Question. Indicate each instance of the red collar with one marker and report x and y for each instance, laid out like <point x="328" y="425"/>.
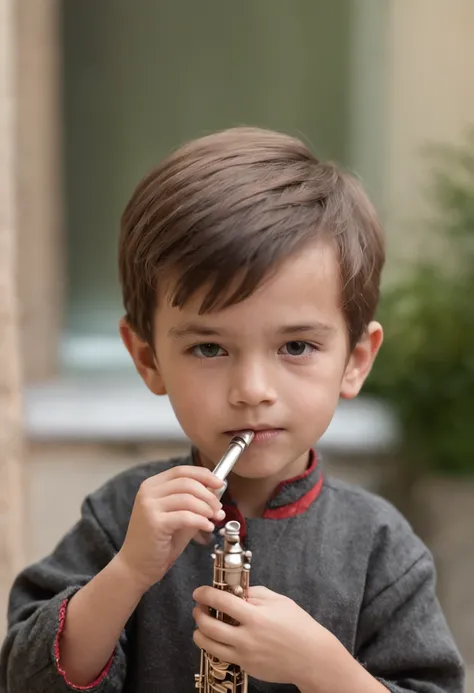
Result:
<point x="291" y="497"/>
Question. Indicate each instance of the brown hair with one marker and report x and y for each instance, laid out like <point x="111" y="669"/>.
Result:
<point x="232" y="206"/>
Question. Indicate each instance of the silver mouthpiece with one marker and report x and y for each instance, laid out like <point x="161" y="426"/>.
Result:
<point x="238" y="444"/>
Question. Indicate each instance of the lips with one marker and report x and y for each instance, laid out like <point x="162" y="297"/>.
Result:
<point x="262" y="434"/>
<point x="259" y="429"/>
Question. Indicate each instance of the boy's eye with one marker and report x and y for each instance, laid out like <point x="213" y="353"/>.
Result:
<point x="207" y="351"/>
<point x="298" y="348"/>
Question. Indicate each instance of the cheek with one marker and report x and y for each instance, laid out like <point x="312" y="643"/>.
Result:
<point x="315" y="398"/>
<point x="319" y="381"/>
<point x="193" y="394"/>
<point x="315" y="401"/>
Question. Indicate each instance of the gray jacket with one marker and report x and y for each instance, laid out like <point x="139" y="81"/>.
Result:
<point x="346" y="556"/>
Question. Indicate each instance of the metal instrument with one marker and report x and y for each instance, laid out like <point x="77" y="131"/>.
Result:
<point x="225" y="465"/>
<point x="232" y="574"/>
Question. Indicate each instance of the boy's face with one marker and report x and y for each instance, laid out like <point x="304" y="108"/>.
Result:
<point x="276" y="363"/>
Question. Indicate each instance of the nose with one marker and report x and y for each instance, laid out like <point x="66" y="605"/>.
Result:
<point x="252" y="384"/>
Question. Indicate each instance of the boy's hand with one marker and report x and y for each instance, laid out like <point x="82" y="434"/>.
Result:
<point x="169" y="509"/>
<point x="276" y="640"/>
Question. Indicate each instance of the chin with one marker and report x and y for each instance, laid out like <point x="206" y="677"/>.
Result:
<point x="259" y="470"/>
<point x="253" y="473"/>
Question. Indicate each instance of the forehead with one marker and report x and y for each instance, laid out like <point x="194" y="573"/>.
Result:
<point x="308" y="281"/>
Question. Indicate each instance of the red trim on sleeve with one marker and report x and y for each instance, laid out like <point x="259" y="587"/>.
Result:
<point x="57" y="655"/>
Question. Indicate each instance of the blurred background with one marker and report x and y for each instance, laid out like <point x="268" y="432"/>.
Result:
<point x="92" y="95"/>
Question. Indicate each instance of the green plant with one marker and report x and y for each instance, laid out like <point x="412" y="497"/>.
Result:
<point x="425" y="369"/>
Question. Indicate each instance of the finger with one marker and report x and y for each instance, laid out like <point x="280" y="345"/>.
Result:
<point x="235" y="607"/>
<point x="202" y="474"/>
<point x="184" y="519"/>
<point x="260" y="596"/>
<point x="215" y="629"/>
<point x="184" y="501"/>
<point x="190" y="486"/>
<point x="261" y="592"/>
<point x="222" y="652"/>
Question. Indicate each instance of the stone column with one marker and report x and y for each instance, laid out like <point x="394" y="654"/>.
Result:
<point x="11" y="486"/>
<point x="39" y="184"/>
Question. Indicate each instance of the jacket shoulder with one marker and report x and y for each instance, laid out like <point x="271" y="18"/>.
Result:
<point x="375" y="528"/>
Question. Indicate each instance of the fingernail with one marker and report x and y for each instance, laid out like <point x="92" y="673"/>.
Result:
<point x="220" y="515"/>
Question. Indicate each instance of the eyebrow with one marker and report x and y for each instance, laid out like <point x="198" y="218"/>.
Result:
<point x="196" y="330"/>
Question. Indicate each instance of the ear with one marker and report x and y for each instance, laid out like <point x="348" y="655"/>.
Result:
<point x="143" y="357"/>
<point x="361" y="360"/>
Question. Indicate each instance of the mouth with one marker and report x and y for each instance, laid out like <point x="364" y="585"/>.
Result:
<point x="262" y="434"/>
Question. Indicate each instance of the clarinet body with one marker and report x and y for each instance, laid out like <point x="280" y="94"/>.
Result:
<point x="231" y="573"/>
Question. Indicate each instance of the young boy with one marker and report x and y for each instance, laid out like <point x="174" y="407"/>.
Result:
<point x="250" y="275"/>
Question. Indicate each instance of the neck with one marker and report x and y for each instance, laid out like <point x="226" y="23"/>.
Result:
<point x="251" y="495"/>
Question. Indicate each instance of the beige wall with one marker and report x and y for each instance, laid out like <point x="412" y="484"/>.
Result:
<point x="430" y="98"/>
<point x="412" y="67"/>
